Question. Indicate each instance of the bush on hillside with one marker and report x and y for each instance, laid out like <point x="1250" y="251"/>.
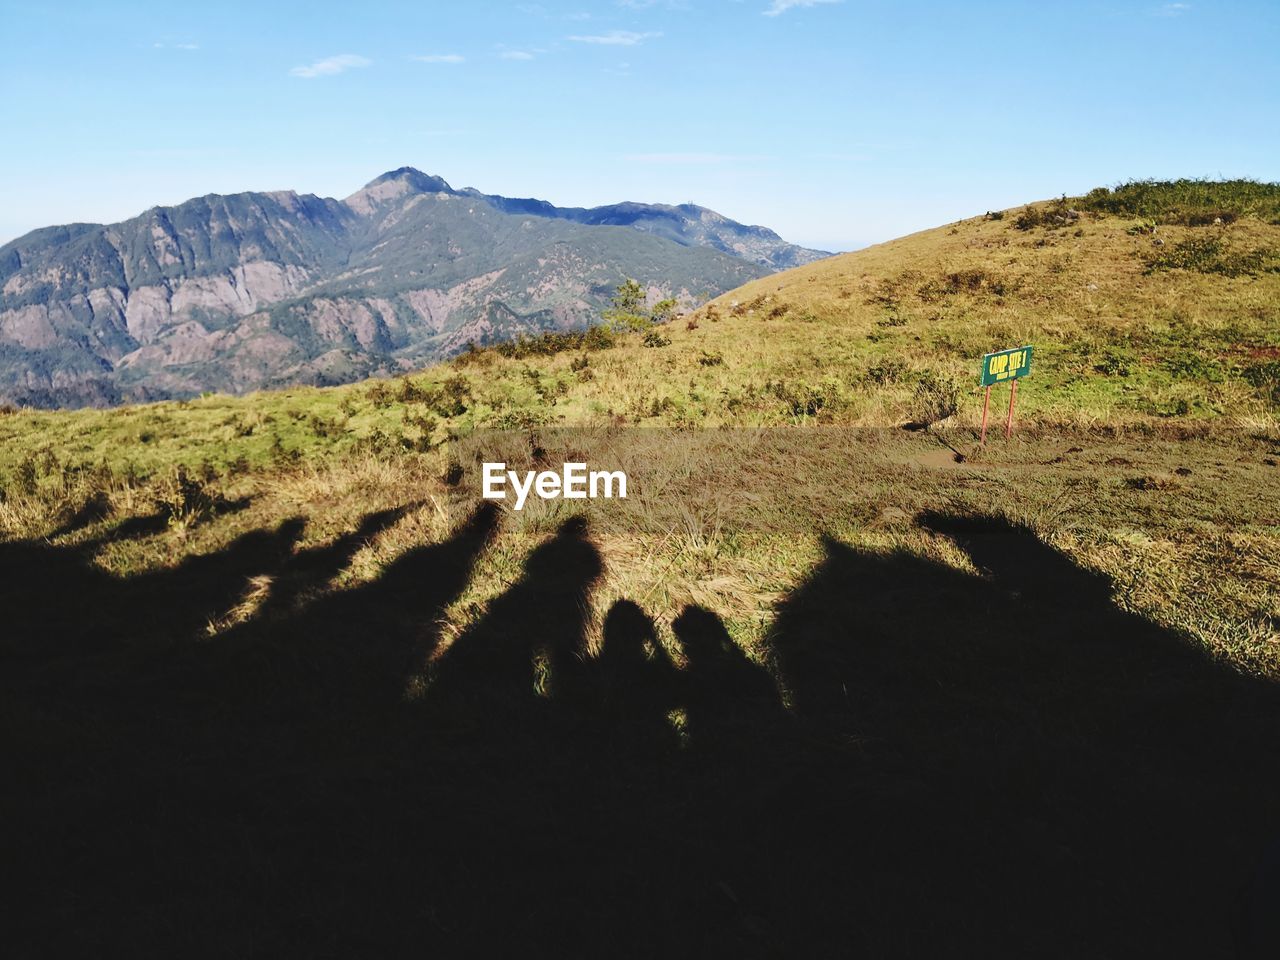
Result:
<point x="1187" y="202"/>
<point x="937" y="397"/>
<point x="1265" y="377"/>
<point x="1213" y="255"/>
<point x="654" y="339"/>
<point x="1055" y="214"/>
<point x="972" y="281"/>
<point x="804" y="399"/>
<point x="890" y="371"/>
<point x="1115" y="363"/>
<point x="184" y="500"/>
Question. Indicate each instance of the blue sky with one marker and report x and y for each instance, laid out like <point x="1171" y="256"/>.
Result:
<point x="836" y="122"/>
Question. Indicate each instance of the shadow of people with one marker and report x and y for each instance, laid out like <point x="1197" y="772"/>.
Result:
<point x="529" y="645"/>
<point x="1000" y="762"/>
<point x="723" y="688"/>
<point x="236" y="777"/>
<point x="634" y="684"/>
<point x="60" y="604"/>
<point x="1015" y="760"/>
<point x="352" y="649"/>
<point x="312" y="568"/>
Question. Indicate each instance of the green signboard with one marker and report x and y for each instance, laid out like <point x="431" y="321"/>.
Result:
<point x="1006" y="365"/>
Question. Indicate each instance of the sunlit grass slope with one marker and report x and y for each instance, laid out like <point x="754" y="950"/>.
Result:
<point x="1140" y="310"/>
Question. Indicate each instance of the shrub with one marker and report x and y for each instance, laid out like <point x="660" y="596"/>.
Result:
<point x="1029" y="218"/>
<point x="323" y="427"/>
<point x="184" y="500"/>
<point x="654" y="339"/>
<point x="936" y="398"/>
<point x="379" y="394"/>
<point x="706" y="359"/>
<point x="452" y="397"/>
<point x="804" y="399"/>
<point x="598" y="338"/>
<point x="973" y="281"/>
<point x="1187" y="202"/>
<point x="1057" y="213"/>
<point x="883" y="374"/>
<point x="1190" y="365"/>
<point x="1114" y="363"/>
<point x="1265" y="377"/>
<point x="1212" y="255"/>
<point x="892" y="321"/>
<point x="25" y="477"/>
<point x="663" y="311"/>
<point x="281" y="456"/>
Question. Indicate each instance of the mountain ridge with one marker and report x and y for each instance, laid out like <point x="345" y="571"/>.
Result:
<point x="254" y="289"/>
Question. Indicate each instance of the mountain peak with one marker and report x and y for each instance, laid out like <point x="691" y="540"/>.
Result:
<point x="414" y="178"/>
<point x="393" y="185"/>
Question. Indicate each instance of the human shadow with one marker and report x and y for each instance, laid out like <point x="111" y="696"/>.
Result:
<point x="60" y="604"/>
<point x="923" y="760"/>
<point x="1024" y="765"/>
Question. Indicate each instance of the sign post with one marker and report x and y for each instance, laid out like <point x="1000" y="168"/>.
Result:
<point x="1008" y="424"/>
<point x="986" y="402"/>
<point x="1011" y="365"/>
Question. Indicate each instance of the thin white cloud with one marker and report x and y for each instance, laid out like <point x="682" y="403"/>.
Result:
<point x="617" y="38"/>
<point x="516" y="55"/>
<point x="782" y="6"/>
<point x="330" y="66"/>
<point x="176" y="46"/>
<point x="1174" y="9"/>
<point x="440" y="58"/>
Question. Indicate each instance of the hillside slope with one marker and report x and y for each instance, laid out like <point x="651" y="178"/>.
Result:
<point x="1122" y="335"/>
<point x="252" y="290"/>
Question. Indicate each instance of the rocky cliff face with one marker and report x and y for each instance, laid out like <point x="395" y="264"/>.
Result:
<point x="240" y="292"/>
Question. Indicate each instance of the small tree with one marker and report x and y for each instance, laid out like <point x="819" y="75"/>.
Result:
<point x="664" y="310"/>
<point x="631" y="313"/>
<point x="630" y="297"/>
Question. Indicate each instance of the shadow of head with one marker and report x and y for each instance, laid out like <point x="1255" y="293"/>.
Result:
<point x="1017" y="559"/>
<point x="568" y="562"/>
<point x="718" y="670"/>
<point x="629" y="638"/>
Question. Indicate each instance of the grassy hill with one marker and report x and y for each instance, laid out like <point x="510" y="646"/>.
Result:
<point x="816" y="671"/>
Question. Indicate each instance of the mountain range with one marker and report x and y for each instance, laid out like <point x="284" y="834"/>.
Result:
<point x="253" y="290"/>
